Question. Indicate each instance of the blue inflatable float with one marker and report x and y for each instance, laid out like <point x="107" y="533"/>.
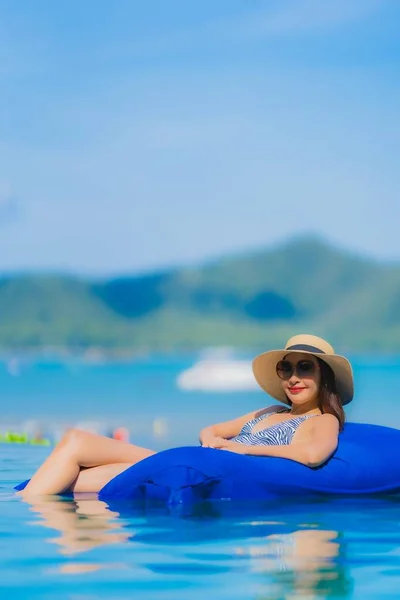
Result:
<point x="365" y="463"/>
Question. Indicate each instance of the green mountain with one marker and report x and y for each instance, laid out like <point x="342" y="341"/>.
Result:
<point x="253" y="300"/>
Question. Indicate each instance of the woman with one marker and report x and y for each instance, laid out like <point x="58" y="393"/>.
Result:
<point x="307" y="376"/>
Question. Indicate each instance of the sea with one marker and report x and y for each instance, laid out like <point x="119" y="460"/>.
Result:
<point x="80" y="549"/>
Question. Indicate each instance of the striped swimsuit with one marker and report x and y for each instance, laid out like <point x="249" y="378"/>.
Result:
<point x="280" y="434"/>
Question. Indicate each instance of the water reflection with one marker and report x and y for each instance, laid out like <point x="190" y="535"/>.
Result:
<point x="82" y="524"/>
<point x="283" y="551"/>
<point x="304" y="564"/>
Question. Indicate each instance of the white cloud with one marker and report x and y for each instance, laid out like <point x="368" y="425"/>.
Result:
<point x="281" y="18"/>
<point x="36" y="53"/>
<point x="298" y="16"/>
<point x="277" y="18"/>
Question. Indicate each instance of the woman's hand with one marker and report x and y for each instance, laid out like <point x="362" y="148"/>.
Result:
<point x="211" y="436"/>
<point x="213" y="441"/>
<point x="233" y="447"/>
<point x="223" y="444"/>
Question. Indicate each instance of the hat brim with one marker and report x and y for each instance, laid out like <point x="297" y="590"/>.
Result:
<point x="264" y="370"/>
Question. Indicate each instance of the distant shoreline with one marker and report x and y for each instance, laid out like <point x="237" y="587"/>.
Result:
<point x="254" y="301"/>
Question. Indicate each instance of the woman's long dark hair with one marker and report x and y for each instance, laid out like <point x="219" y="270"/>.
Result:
<point x="329" y="399"/>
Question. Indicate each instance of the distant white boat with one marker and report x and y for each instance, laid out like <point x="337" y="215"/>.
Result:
<point x="224" y="375"/>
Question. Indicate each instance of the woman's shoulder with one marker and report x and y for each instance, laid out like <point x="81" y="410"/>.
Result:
<point x="329" y="419"/>
<point x="325" y="422"/>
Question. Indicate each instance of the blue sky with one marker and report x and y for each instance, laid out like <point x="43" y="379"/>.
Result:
<point x="136" y="135"/>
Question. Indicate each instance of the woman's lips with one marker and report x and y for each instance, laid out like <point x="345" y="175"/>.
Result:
<point x="296" y="390"/>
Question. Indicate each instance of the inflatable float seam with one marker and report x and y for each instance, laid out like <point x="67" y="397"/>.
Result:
<point x="183" y="466"/>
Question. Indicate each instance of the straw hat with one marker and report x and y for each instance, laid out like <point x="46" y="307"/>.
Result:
<point x="264" y="366"/>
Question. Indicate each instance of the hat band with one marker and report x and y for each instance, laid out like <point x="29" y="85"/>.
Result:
<point x="307" y="348"/>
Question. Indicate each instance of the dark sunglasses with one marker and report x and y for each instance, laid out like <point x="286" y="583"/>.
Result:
<point x="304" y="368"/>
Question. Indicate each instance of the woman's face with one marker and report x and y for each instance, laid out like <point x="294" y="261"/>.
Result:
<point x="300" y="378"/>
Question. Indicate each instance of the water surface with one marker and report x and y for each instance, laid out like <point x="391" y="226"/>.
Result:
<point x="83" y="549"/>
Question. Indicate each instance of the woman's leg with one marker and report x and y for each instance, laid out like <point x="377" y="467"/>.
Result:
<point x="79" y="449"/>
<point x="95" y="478"/>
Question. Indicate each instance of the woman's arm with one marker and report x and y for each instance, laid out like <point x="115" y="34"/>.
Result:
<point x="228" y="429"/>
<point x="311" y="452"/>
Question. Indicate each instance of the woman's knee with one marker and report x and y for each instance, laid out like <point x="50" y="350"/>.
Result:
<point x="74" y="440"/>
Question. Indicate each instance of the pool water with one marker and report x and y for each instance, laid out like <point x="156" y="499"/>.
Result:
<point x="82" y="550"/>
